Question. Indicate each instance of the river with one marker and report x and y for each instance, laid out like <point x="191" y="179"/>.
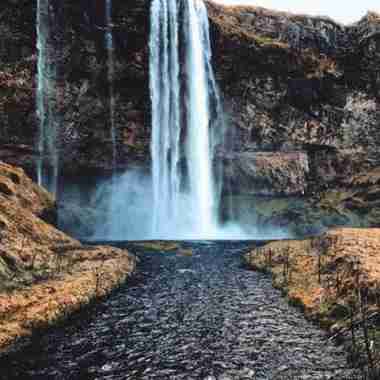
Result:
<point x="194" y="313"/>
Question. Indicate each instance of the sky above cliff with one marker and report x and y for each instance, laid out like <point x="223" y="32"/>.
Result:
<point x="342" y="11"/>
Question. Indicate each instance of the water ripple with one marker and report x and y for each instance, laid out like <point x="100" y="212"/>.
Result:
<point x="203" y="316"/>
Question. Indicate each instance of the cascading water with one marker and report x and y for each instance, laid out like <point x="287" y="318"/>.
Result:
<point x="42" y="11"/>
<point x="47" y="98"/>
<point x="187" y="134"/>
<point x="186" y="202"/>
<point x="199" y="146"/>
<point x="111" y="75"/>
<point x="166" y="127"/>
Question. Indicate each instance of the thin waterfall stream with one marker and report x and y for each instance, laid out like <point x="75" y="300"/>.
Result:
<point x="111" y="77"/>
<point x="47" y="97"/>
<point x="42" y="13"/>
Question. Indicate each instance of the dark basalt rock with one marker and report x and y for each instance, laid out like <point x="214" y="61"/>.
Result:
<point x="301" y="84"/>
<point x="85" y="141"/>
<point x="267" y="173"/>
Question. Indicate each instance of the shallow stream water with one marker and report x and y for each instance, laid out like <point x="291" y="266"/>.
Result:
<point x="194" y="313"/>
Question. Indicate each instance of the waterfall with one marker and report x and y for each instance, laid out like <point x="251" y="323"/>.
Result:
<point x="199" y="148"/>
<point x="111" y="75"/>
<point x="165" y="92"/>
<point x="181" y="197"/>
<point x="42" y="13"/>
<point x="184" y="199"/>
<point x="47" y="97"/>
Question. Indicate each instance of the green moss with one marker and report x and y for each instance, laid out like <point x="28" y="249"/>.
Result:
<point x="6" y="92"/>
<point x="338" y="312"/>
<point x="268" y="41"/>
<point x="324" y="308"/>
<point x="264" y="40"/>
<point x="161" y="246"/>
<point x="296" y="303"/>
<point x="374" y="333"/>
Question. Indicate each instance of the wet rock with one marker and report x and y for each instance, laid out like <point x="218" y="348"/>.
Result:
<point x="267" y="173"/>
<point x="296" y="83"/>
<point x="278" y="72"/>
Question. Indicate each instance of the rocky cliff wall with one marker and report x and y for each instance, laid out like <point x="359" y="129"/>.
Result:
<point x="295" y="83"/>
<point x="81" y="58"/>
<point x="301" y="94"/>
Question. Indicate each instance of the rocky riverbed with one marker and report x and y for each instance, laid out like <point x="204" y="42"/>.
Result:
<point x="192" y="311"/>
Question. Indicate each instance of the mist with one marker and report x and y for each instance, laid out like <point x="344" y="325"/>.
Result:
<point x="120" y="208"/>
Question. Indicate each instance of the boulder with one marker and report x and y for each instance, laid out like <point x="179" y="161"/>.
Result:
<point x="267" y="173"/>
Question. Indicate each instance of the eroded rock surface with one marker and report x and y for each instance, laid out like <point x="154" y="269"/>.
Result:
<point x="81" y="59"/>
<point x="301" y="94"/>
<point x="267" y="173"/>
<point x="296" y="83"/>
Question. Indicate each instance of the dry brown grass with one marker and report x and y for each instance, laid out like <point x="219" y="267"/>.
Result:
<point x="315" y="264"/>
<point x="44" y="274"/>
<point x="162" y="246"/>
<point x="335" y="279"/>
<point x="93" y="273"/>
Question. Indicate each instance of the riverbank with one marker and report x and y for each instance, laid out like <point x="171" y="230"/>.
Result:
<point x="185" y="316"/>
<point x="44" y="274"/>
<point x="335" y="280"/>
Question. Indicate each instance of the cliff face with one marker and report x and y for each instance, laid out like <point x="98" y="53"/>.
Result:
<point x="78" y="45"/>
<point x="306" y="93"/>
<point x="295" y="83"/>
<point x="302" y="96"/>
